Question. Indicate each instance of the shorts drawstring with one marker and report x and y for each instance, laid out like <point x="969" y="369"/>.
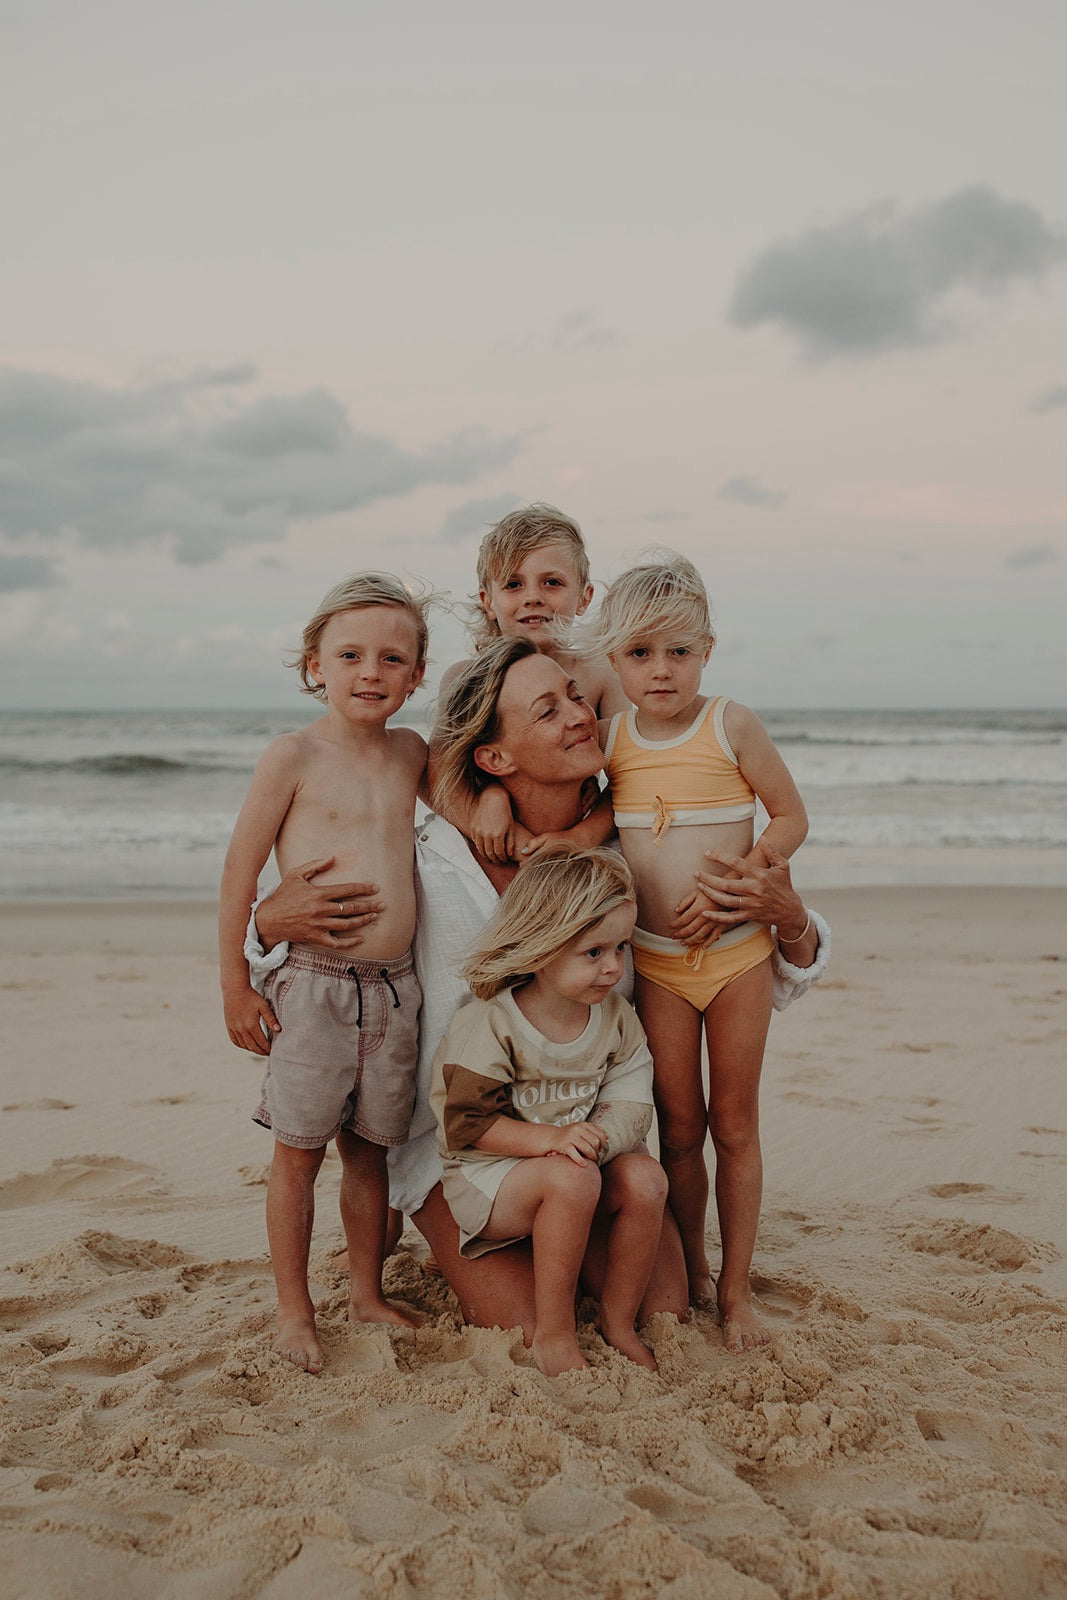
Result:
<point x="384" y="975"/>
<point x="352" y="973"/>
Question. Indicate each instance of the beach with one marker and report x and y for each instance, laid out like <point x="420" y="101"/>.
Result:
<point x="903" y="1436"/>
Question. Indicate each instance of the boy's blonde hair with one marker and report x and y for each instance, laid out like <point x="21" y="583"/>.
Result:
<point x="506" y="546"/>
<point x="555" y="898"/>
<point x="351" y="594"/>
<point x="664" y="594"/>
<point x="467" y="717"/>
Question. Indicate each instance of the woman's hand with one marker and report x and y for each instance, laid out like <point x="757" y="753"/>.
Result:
<point x="753" y="894"/>
<point x="247" y="1016"/>
<point x="317" y="913"/>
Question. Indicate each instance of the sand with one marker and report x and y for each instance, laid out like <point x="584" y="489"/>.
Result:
<point x="902" y="1438"/>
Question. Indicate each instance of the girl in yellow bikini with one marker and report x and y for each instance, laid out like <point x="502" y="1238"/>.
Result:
<point x="685" y="773"/>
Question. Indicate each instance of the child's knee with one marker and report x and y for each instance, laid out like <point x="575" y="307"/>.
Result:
<point x="642" y="1180"/>
<point x="576" y="1184"/>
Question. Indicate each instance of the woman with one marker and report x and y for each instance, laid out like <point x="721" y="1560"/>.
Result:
<point x="512" y="716"/>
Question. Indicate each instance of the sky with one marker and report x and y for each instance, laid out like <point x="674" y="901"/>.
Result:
<point x="293" y="290"/>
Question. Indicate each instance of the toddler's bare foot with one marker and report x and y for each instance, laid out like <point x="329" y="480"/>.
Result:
<point x="297" y="1341"/>
<point x="382" y="1310"/>
<point x="559" y="1353"/>
<point x="623" y="1336"/>
<point x="742" y="1328"/>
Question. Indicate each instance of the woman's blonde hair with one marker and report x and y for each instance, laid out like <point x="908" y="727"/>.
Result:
<point x="506" y="546"/>
<point x="664" y="594"/>
<point x="467" y="717"/>
<point x="555" y="898"/>
<point x="361" y="589"/>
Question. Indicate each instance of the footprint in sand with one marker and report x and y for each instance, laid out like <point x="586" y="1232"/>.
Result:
<point x="40" y="1105"/>
<point x="989" y="1441"/>
<point x="81" y="1178"/>
<point x="950" y="1191"/>
<point x="979" y="1244"/>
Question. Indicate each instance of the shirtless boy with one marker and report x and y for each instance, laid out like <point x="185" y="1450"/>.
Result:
<point x="533" y="572"/>
<point x="342" y="1034"/>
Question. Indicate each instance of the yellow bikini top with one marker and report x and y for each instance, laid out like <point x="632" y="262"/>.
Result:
<point x="691" y="779"/>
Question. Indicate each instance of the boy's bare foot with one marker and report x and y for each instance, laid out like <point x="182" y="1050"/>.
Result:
<point x="382" y="1311"/>
<point x="625" y="1338"/>
<point x="297" y="1341"/>
<point x="559" y="1353"/>
<point x="742" y="1328"/>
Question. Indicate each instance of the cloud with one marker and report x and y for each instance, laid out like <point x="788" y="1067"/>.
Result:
<point x="186" y="462"/>
<point x="879" y="278"/>
<point x="25" y="572"/>
<point x="1051" y="399"/>
<point x="745" y="491"/>
<point x="580" y="329"/>
<point x="474" y="517"/>
<point x="1031" y="555"/>
<point x="665" y="515"/>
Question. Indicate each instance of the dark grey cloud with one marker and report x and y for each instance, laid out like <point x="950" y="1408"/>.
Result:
<point x="746" y="491"/>
<point x="1032" y="555"/>
<point x="25" y="572"/>
<point x="474" y="517"/>
<point x="195" y="463"/>
<point x="1051" y="399"/>
<point x="881" y="278"/>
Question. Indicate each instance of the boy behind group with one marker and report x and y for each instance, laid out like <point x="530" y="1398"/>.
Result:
<point x="344" y="1061"/>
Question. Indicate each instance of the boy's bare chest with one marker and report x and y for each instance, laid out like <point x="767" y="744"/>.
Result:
<point x="344" y="789"/>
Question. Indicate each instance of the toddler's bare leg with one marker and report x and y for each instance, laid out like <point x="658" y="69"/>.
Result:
<point x="737" y="1022"/>
<point x="364" y="1216"/>
<point x="634" y="1193"/>
<point x="673" y="1029"/>
<point x="552" y="1199"/>
<point x="290" y="1216"/>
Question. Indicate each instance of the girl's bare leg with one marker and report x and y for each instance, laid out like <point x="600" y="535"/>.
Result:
<point x="552" y="1199"/>
<point x="364" y="1214"/>
<point x="673" y="1029"/>
<point x="736" y="1022"/>
<point x="633" y="1195"/>
<point x="290" y="1218"/>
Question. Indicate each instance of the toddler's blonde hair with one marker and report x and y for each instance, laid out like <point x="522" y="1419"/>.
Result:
<point x="555" y="898"/>
<point x="351" y="594"/>
<point x="664" y="594"/>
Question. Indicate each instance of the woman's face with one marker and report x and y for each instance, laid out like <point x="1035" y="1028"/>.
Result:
<point x="547" y="731"/>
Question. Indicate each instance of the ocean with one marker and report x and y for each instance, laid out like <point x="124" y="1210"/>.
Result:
<point x="139" y="803"/>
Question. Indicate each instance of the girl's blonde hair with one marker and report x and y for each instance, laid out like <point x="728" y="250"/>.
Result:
<point x="506" y="546"/>
<point x="664" y="594"/>
<point x="554" y="899"/>
<point x="467" y="717"/>
<point x="361" y="589"/>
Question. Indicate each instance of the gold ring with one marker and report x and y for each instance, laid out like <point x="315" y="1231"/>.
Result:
<point x="341" y="907"/>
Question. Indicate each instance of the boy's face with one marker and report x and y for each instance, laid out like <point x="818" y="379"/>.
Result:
<point x="542" y="587"/>
<point x="368" y="659"/>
